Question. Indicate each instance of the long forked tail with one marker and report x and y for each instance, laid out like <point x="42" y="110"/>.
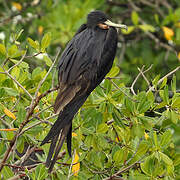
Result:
<point x="50" y="163"/>
<point x="62" y="128"/>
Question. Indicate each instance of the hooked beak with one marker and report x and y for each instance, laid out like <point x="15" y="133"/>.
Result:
<point x="122" y="26"/>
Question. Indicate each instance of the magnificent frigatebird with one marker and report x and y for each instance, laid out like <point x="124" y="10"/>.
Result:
<point x="84" y="63"/>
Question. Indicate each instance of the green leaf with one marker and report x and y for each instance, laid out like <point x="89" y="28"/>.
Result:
<point x="88" y="140"/>
<point x="176" y="102"/>
<point x="163" y="83"/>
<point x="166" y="94"/>
<point x="22" y="64"/>
<point x="135" y="18"/>
<point x="146" y="121"/>
<point x="156" y="17"/>
<point x="11" y="91"/>
<point x="40" y="173"/>
<point x="118" y="156"/>
<point x="143" y="104"/>
<point x="102" y="128"/>
<point x="21" y="114"/>
<point x="36" y="72"/>
<point x="45" y="41"/>
<point x="100" y="91"/>
<point x="165" y="158"/>
<point x="15" y="72"/>
<point x="130" y="29"/>
<point x="129" y="105"/>
<point x="143" y="148"/>
<point x="12" y="51"/>
<point x="7" y="172"/>
<point x="147" y="27"/>
<point x="165" y="139"/>
<point x="174" y="117"/>
<point x="155" y="80"/>
<point x="147" y="166"/>
<point x="155" y="140"/>
<point x="150" y="97"/>
<point x="33" y="44"/>
<point x="117" y="118"/>
<point x="137" y="130"/>
<point x="107" y="86"/>
<point x="19" y="34"/>
<point x="47" y="60"/>
<point x="173" y="84"/>
<point x="113" y="72"/>
<point x="20" y="144"/>
<point x="176" y="160"/>
<point x="2" y="49"/>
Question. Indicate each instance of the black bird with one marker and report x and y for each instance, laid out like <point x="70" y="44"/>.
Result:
<point x="84" y="63"/>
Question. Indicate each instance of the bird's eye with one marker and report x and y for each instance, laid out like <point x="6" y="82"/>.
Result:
<point x="101" y="19"/>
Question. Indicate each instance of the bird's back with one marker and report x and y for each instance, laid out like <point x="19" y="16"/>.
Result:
<point x="87" y="53"/>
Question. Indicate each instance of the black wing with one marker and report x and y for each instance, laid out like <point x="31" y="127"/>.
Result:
<point x="84" y="63"/>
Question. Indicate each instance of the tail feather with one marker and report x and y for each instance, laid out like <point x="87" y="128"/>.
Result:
<point x="65" y="117"/>
<point x="69" y="137"/>
<point x="63" y="126"/>
<point x="59" y="146"/>
<point x="51" y="150"/>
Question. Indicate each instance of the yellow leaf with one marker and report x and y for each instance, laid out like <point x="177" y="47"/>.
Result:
<point x="39" y="94"/>
<point x="118" y="139"/>
<point x="40" y="30"/>
<point x="17" y="6"/>
<point x="177" y="25"/>
<point x="9" y="113"/>
<point x="74" y="134"/>
<point x="168" y="33"/>
<point x="146" y="135"/>
<point x="179" y="55"/>
<point x="13" y="129"/>
<point x="36" y="110"/>
<point x="76" y="166"/>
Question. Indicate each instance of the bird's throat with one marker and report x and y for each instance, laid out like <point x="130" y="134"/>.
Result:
<point x="103" y="26"/>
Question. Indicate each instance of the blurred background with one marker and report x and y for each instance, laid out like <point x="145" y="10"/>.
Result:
<point x="153" y="37"/>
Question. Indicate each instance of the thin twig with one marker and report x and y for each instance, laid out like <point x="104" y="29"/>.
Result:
<point x="161" y="80"/>
<point x="93" y="171"/>
<point x="19" y="62"/>
<point x="33" y="55"/>
<point x="121" y="90"/>
<point x="135" y="80"/>
<point x="122" y="170"/>
<point x="37" y="123"/>
<point x="134" y="152"/>
<point x="70" y="168"/>
<point x="17" y="82"/>
<point x="42" y="81"/>
<point x="142" y="73"/>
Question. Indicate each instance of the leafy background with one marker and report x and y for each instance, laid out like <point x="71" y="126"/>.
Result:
<point x="129" y="126"/>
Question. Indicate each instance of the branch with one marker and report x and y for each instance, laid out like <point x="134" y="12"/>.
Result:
<point x="122" y="170"/>
<point x="93" y="171"/>
<point x="42" y="81"/>
<point x="135" y="80"/>
<point x="120" y="89"/>
<point x="7" y="73"/>
<point x="20" y="61"/>
<point x="161" y="80"/>
<point x="36" y="124"/>
<point x="142" y="73"/>
<point x="29" y="113"/>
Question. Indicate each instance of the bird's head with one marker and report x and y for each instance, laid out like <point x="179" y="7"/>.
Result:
<point x="99" y="19"/>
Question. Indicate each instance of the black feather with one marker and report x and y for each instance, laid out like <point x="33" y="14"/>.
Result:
<point x="84" y="63"/>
